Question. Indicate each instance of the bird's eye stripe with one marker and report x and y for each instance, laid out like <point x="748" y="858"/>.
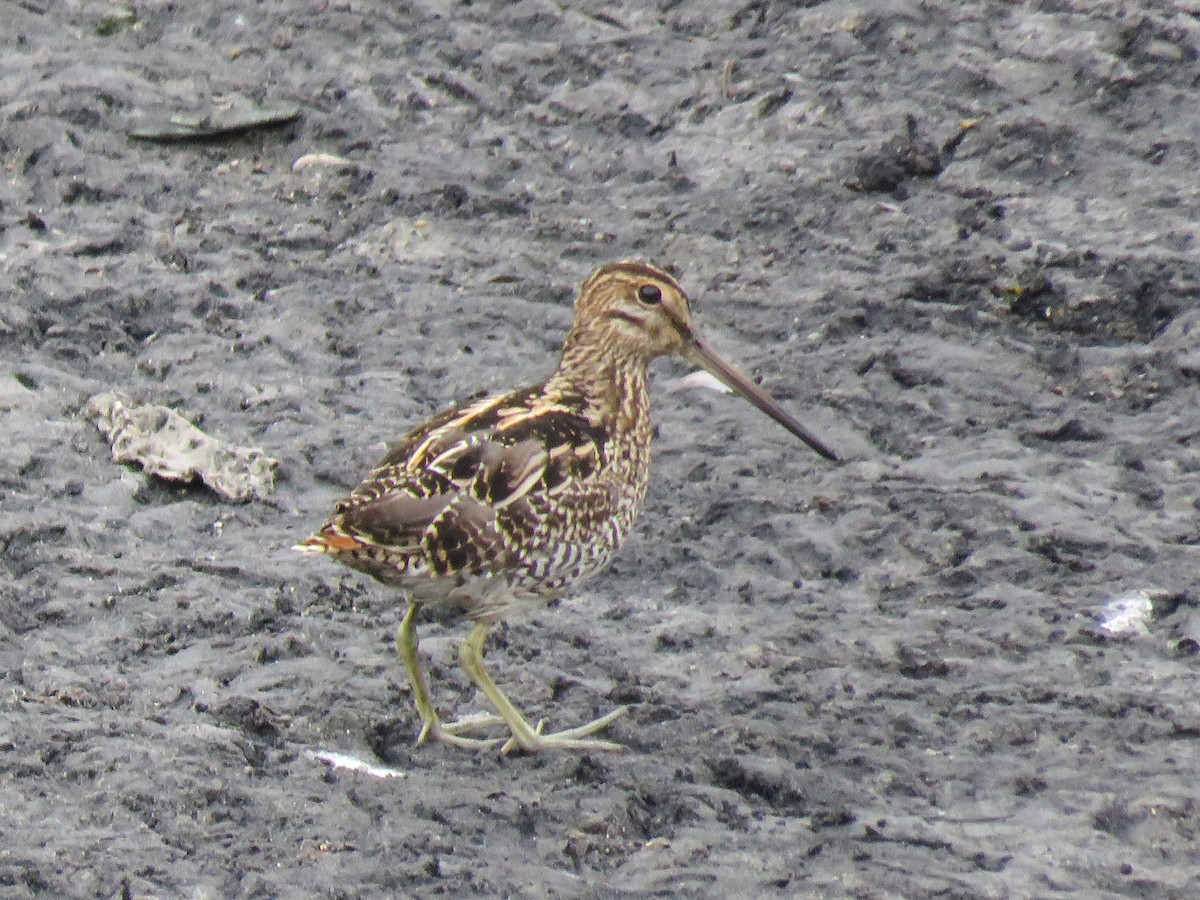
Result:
<point x="624" y="316"/>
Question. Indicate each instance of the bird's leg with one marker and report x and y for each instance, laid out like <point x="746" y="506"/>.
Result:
<point x="525" y="736"/>
<point x="431" y="724"/>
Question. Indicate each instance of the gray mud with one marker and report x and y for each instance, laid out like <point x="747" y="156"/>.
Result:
<point x="883" y="678"/>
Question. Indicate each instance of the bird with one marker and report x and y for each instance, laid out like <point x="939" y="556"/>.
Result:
<point x="501" y="504"/>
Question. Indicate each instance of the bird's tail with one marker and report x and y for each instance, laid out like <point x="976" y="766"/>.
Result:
<point x="328" y="540"/>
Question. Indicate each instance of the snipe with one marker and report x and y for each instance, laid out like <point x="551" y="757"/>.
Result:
<point x="505" y="502"/>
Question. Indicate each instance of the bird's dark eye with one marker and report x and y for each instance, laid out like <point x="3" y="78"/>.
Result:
<point x="650" y="294"/>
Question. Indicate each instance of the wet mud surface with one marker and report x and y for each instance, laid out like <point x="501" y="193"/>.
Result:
<point x="901" y="675"/>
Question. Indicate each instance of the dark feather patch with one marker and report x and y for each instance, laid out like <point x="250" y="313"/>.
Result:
<point x="396" y="520"/>
<point x="466" y="540"/>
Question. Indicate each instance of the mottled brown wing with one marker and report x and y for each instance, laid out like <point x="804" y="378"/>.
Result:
<point x="401" y="450"/>
<point x="455" y="494"/>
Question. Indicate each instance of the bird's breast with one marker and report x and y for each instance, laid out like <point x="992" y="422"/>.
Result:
<point x="574" y="532"/>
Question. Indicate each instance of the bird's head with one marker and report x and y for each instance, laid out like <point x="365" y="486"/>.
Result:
<point x="634" y="311"/>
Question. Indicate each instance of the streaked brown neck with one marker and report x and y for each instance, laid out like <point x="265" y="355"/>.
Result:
<point x="612" y="383"/>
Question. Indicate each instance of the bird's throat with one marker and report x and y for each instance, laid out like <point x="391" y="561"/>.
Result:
<point x="612" y="386"/>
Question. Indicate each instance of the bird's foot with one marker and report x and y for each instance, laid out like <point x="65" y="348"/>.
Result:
<point x="531" y="740"/>
<point x="449" y="732"/>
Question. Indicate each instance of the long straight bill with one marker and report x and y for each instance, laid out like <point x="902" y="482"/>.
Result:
<point x="702" y="355"/>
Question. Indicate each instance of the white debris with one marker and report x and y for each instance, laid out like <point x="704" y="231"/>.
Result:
<point x="702" y="379"/>
<point x="1129" y="615"/>
<point x="167" y="445"/>
<point x="308" y="160"/>
<point x="353" y="764"/>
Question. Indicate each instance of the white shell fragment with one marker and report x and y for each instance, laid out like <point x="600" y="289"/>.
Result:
<point x="1128" y="615"/>
<point x="705" y="381"/>
<point x="167" y="445"/>
<point x="308" y="160"/>
<point x="353" y="764"/>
